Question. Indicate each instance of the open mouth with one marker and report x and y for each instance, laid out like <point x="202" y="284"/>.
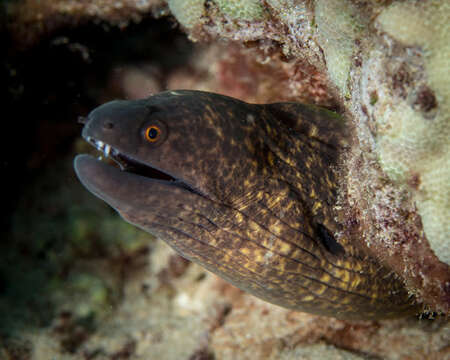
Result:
<point x="130" y="165"/>
<point x="127" y="163"/>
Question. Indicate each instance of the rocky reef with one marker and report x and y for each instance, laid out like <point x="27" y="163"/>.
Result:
<point x="78" y="283"/>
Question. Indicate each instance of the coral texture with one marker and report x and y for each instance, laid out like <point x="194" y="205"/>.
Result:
<point x="188" y="15"/>
<point x="338" y="26"/>
<point x="243" y="10"/>
<point x="413" y="136"/>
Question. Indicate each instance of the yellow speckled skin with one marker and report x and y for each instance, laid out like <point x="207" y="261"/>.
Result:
<point x="252" y="200"/>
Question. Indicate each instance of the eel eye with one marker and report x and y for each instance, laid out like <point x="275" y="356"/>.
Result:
<point x="152" y="133"/>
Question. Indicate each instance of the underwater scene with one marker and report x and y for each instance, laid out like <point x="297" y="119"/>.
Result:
<point x="214" y="179"/>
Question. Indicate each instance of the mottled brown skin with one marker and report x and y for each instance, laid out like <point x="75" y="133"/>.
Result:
<point x="253" y="199"/>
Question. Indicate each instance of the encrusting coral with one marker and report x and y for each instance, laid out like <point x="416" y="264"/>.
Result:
<point x="413" y="136"/>
<point x="190" y="15"/>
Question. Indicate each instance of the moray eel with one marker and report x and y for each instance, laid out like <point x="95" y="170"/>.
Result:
<point x="247" y="191"/>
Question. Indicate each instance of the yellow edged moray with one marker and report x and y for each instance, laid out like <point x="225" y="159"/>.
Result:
<point x="247" y="191"/>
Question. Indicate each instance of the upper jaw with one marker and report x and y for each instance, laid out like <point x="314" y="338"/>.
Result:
<point x="101" y="146"/>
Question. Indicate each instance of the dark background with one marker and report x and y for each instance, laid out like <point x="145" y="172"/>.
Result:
<point x="45" y="88"/>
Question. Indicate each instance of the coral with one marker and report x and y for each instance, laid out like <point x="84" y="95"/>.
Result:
<point x="403" y="130"/>
<point x="338" y="25"/>
<point x="187" y="13"/>
<point x="413" y="136"/>
<point x="241" y="9"/>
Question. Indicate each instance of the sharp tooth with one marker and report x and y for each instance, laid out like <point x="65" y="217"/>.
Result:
<point x="106" y="150"/>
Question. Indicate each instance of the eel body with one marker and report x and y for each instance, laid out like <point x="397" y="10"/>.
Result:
<point x="247" y="191"/>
